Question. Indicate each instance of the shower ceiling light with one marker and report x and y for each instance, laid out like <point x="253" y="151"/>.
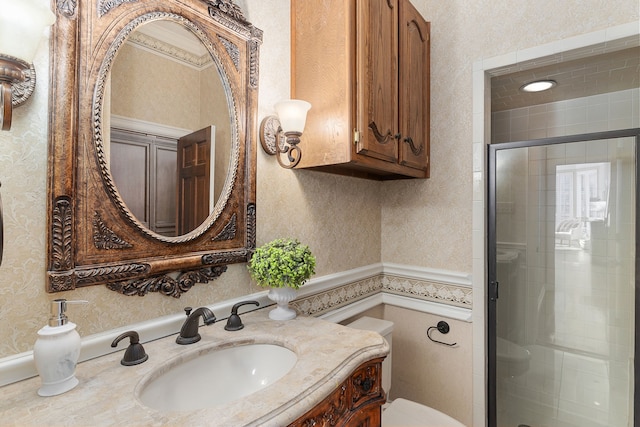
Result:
<point x="538" y="86"/>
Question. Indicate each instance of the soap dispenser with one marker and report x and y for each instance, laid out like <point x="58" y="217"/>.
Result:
<point x="56" y="351"/>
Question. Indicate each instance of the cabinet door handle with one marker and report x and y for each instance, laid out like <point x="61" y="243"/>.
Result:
<point x="415" y="150"/>
<point x="367" y="384"/>
<point x="382" y="139"/>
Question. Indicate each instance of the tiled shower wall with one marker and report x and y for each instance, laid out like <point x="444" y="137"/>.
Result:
<point x="610" y="111"/>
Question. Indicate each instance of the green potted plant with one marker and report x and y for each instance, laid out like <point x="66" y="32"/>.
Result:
<point x="282" y="265"/>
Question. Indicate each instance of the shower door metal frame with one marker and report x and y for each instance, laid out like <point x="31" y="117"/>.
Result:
<point x="492" y="286"/>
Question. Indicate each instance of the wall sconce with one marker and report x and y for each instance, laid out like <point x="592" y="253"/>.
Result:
<point x="281" y="134"/>
<point x="21" y="25"/>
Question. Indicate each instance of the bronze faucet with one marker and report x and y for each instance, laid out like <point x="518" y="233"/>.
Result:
<point x="189" y="332"/>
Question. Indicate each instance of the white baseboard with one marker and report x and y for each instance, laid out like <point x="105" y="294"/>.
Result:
<point x="363" y="305"/>
<point x="430" y="274"/>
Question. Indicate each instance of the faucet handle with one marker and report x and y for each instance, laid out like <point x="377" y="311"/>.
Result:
<point x="135" y="354"/>
<point x="234" y="323"/>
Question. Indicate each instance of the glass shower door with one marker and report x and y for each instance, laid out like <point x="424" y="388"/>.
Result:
<point x="562" y="250"/>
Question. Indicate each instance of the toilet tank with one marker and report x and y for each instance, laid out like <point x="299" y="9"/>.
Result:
<point x="384" y="328"/>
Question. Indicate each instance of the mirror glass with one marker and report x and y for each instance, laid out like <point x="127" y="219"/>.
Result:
<point x="168" y="136"/>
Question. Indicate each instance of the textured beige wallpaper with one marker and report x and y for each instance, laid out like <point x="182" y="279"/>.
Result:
<point x="428" y="223"/>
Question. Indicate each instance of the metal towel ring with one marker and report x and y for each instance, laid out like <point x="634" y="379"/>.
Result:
<point x="443" y="328"/>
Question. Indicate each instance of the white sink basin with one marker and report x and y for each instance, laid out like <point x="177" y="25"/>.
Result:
<point x="216" y="376"/>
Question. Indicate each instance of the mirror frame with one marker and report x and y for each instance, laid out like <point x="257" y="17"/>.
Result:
<point x="93" y="238"/>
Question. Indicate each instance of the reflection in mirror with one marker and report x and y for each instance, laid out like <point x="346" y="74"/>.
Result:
<point x="169" y="137"/>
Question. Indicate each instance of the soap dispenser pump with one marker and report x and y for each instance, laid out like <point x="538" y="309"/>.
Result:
<point x="56" y="351"/>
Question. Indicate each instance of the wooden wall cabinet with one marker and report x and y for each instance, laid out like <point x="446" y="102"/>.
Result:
<point x="357" y="402"/>
<point x="364" y="67"/>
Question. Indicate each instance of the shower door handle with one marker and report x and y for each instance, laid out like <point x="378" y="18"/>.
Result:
<point x="493" y="291"/>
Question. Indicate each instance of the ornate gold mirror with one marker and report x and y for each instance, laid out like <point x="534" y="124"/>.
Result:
<point x="152" y="143"/>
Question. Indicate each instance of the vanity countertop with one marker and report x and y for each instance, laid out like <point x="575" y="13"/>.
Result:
<point x="327" y="354"/>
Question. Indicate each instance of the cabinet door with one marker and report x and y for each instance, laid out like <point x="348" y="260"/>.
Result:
<point x="130" y="162"/>
<point x="414" y="88"/>
<point x="377" y="78"/>
<point x="194" y="175"/>
<point x="366" y="417"/>
<point x="164" y="189"/>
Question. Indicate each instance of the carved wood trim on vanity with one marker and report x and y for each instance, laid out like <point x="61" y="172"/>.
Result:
<point x="356" y="402"/>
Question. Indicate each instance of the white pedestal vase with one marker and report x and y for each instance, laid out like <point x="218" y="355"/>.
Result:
<point x="282" y="297"/>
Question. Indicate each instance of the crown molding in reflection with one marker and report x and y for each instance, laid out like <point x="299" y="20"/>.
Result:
<point x="168" y="50"/>
<point x="143" y="126"/>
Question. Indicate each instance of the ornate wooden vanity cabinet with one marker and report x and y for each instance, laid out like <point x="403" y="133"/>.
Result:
<point x="356" y="402"/>
<point x="364" y="67"/>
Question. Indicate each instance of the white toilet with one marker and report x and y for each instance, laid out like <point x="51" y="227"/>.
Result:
<point x="401" y="412"/>
<point x="512" y="359"/>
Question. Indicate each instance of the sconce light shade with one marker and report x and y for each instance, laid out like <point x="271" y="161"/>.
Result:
<point x="292" y="114"/>
<point x="22" y="23"/>
<point x="281" y="134"/>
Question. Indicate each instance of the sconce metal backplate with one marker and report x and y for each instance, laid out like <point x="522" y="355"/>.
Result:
<point x="270" y="131"/>
<point x="13" y="69"/>
<point x="21" y="91"/>
<point x="17" y="82"/>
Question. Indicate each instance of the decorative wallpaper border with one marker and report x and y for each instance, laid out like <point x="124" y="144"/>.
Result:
<point x="459" y="296"/>
<point x="322" y="302"/>
<point x="424" y="289"/>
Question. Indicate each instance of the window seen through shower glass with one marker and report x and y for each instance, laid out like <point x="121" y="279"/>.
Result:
<point x="582" y="192"/>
